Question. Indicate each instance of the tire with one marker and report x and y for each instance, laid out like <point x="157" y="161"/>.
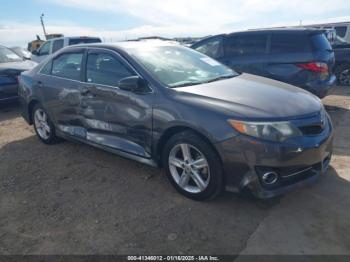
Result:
<point x="203" y="161"/>
<point x="44" y="124"/>
<point x="342" y="80"/>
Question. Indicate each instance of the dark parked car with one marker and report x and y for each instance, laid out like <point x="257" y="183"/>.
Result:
<point x="11" y="66"/>
<point x="301" y="57"/>
<point x="342" y="64"/>
<point x="167" y="105"/>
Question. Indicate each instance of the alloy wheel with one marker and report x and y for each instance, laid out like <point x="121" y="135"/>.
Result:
<point x="344" y="77"/>
<point x="189" y="168"/>
<point x="41" y="124"/>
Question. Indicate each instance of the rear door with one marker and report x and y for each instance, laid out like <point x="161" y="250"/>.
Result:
<point x="113" y="117"/>
<point x="246" y="52"/>
<point x="60" y="85"/>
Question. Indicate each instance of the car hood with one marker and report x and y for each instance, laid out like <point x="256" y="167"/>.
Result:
<point x="18" y="66"/>
<point x="253" y="97"/>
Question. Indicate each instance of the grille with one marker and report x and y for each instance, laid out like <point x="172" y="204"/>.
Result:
<point x="312" y="130"/>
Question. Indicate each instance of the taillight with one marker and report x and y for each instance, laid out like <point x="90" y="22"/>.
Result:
<point x="315" y="67"/>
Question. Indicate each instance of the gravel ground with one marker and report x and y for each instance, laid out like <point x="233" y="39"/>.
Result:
<point x="74" y="199"/>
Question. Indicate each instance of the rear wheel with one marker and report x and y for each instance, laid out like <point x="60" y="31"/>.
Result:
<point x="43" y="126"/>
<point x="192" y="166"/>
<point x="343" y="74"/>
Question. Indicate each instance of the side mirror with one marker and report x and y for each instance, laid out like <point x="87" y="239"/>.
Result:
<point x="133" y="84"/>
<point x="35" y="52"/>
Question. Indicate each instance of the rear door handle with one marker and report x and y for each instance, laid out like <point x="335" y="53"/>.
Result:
<point x="88" y="91"/>
<point x="85" y="91"/>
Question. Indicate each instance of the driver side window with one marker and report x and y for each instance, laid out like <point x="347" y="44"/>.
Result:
<point x="105" y="69"/>
<point x="45" y="49"/>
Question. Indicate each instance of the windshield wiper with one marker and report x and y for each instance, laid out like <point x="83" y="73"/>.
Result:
<point x="220" y="78"/>
<point x="187" y="84"/>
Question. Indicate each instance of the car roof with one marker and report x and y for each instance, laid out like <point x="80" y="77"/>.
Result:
<point x="265" y="30"/>
<point x="286" y="29"/>
<point x="124" y="45"/>
<point x="74" y="37"/>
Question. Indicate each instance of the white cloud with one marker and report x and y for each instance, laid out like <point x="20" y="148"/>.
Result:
<point x="180" y="18"/>
<point x="206" y="12"/>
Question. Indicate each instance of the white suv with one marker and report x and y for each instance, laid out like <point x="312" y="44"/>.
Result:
<point x="55" y="44"/>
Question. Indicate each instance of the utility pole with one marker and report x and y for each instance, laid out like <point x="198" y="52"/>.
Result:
<point x="43" y="25"/>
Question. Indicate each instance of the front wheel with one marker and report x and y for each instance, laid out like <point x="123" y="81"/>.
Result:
<point x="44" y="128"/>
<point x="192" y="166"/>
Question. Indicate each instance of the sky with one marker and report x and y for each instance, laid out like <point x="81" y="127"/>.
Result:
<point x="115" y="20"/>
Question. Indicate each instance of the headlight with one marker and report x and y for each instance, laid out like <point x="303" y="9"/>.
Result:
<point x="273" y="131"/>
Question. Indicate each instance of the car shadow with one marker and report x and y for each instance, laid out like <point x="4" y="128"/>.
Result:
<point x="72" y="198"/>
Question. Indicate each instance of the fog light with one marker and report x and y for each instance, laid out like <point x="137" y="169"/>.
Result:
<point x="269" y="178"/>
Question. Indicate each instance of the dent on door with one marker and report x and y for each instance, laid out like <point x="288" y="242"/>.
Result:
<point x="68" y="111"/>
<point x="118" y="119"/>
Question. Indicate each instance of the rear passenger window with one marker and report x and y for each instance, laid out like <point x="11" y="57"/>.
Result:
<point x="68" y="66"/>
<point x="105" y="69"/>
<point x="246" y="44"/>
<point x="57" y="45"/>
<point x="282" y="43"/>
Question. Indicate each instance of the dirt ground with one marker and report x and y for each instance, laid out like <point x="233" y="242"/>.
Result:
<point x="75" y="199"/>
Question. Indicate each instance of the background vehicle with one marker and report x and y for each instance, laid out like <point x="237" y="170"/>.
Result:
<point x="23" y="53"/>
<point x="342" y="29"/>
<point x="301" y="57"/>
<point x="11" y="66"/>
<point x="35" y="45"/>
<point x="342" y="65"/>
<point x="53" y="45"/>
<point x="167" y="105"/>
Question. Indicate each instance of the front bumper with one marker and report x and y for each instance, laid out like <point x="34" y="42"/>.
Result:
<point x="297" y="163"/>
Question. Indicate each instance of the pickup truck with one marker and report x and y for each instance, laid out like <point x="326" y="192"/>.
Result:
<point x="53" y="45"/>
<point x="342" y="64"/>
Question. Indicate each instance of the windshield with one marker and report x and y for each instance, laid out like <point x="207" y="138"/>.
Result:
<point x="177" y="66"/>
<point x="7" y="56"/>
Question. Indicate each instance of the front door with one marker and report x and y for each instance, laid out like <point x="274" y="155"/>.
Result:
<point x="113" y="117"/>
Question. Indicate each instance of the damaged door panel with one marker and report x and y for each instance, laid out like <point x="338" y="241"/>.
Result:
<point x="113" y="117"/>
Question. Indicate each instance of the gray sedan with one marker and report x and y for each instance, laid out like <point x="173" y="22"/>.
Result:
<point x="167" y="105"/>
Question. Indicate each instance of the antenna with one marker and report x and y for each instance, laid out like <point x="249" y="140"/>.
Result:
<point x="43" y="25"/>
